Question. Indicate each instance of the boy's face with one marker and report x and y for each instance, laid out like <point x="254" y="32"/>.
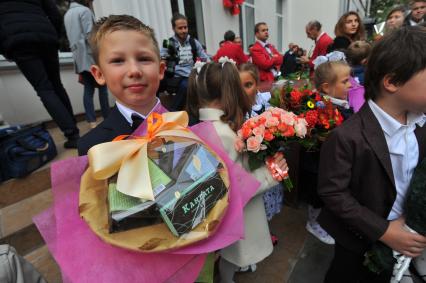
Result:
<point x="130" y="67"/>
<point x="418" y="10"/>
<point x="395" y="20"/>
<point x="412" y="94"/>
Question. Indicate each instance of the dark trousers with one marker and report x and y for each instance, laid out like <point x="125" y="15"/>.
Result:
<point x="40" y="66"/>
<point x="89" y="90"/>
<point x="179" y="101"/>
<point x="347" y="266"/>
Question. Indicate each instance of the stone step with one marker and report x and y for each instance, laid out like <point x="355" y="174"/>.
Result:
<point x="23" y="198"/>
<point x="43" y="261"/>
<point x="19" y="215"/>
<point x="16" y="226"/>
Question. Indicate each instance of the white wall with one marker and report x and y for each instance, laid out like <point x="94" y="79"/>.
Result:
<point x="264" y="11"/>
<point x="155" y="13"/>
<point x="297" y="13"/>
<point x="217" y="20"/>
<point x="19" y="103"/>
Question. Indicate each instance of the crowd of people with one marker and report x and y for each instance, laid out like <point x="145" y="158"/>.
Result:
<point x="354" y="186"/>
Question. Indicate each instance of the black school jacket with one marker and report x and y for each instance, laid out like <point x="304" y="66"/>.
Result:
<point x="356" y="181"/>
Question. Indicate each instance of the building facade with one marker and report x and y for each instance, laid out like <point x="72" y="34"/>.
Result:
<point x="208" y="21"/>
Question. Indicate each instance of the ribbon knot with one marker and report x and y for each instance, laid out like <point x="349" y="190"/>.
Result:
<point x="128" y="155"/>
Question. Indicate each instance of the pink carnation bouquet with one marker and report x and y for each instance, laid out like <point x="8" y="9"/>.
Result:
<point x="267" y="134"/>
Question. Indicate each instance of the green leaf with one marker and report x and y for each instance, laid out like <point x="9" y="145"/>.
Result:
<point x="254" y="162"/>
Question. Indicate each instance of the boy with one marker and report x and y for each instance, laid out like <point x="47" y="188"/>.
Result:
<point x="357" y="54"/>
<point x="367" y="163"/>
<point x="127" y="60"/>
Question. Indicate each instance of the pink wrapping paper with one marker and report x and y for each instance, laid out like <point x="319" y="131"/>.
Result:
<point x="83" y="257"/>
<point x="356" y="95"/>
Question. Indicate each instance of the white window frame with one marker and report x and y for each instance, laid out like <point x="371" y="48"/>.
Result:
<point x="244" y="23"/>
<point x="280" y="29"/>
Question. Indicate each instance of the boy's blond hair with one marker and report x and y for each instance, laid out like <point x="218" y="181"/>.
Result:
<point x="357" y="52"/>
<point x="113" y="23"/>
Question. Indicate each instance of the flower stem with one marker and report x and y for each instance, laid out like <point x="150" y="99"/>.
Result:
<point x="288" y="184"/>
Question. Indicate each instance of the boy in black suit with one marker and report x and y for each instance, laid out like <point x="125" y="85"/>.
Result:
<point x="128" y="61"/>
<point x="366" y="164"/>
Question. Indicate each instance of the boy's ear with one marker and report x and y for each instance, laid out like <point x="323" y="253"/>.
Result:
<point x="388" y="85"/>
<point x="97" y="74"/>
<point x="162" y="69"/>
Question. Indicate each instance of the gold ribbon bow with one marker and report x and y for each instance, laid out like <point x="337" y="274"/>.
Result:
<point x="129" y="157"/>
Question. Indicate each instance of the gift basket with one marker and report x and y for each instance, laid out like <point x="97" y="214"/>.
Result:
<point x="161" y="191"/>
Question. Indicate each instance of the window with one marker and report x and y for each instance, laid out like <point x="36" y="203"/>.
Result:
<point x="192" y="9"/>
<point x="247" y="23"/>
<point x="279" y="14"/>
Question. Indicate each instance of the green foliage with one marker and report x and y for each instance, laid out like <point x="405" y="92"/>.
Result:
<point x="415" y="203"/>
<point x="275" y="97"/>
<point x="256" y="160"/>
<point x="380" y="8"/>
<point x="380" y="257"/>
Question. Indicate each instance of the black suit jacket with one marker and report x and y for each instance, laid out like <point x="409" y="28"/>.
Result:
<point x="356" y="181"/>
<point x="114" y="125"/>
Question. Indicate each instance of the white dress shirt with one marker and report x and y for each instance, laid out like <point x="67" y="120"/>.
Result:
<point x="403" y="150"/>
<point x="127" y="112"/>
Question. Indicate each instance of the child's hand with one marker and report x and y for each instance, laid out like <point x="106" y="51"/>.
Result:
<point x="403" y="241"/>
<point x="278" y="167"/>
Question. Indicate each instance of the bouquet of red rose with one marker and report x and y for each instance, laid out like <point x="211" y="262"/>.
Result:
<point x="264" y="135"/>
<point x="320" y="114"/>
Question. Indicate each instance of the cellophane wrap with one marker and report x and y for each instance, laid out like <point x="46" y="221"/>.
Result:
<point x="188" y="184"/>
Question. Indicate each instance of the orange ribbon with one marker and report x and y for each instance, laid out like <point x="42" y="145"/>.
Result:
<point x="129" y="157"/>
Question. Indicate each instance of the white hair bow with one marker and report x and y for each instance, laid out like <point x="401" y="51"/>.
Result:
<point x="330" y="57"/>
<point x="225" y="59"/>
<point x="198" y="65"/>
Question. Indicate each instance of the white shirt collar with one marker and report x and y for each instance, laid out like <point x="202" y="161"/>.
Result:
<point x="389" y="124"/>
<point x="340" y="102"/>
<point x="319" y="36"/>
<point x="413" y="23"/>
<point x="262" y="43"/>
<point x="127" y="112"/>
<point x="210" y="114"/>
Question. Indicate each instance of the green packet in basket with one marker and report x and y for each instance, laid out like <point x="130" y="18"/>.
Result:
<point x="186" y="185"/>
<point x="127" y="212"/>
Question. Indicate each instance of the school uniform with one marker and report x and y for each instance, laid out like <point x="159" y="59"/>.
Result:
<point x="257" y="243"/>
<point x="262" y="55"/>
<point x="118" y="122"/>
<point x="360" y="189"/>
<point x="232" y="51"/>
<point x="322" y="42"/>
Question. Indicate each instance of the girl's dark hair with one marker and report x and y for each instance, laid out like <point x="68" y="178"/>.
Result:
<point x="399" y="54"/>
<point x="339" y="29"/>
<point x="222" y="84"/>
